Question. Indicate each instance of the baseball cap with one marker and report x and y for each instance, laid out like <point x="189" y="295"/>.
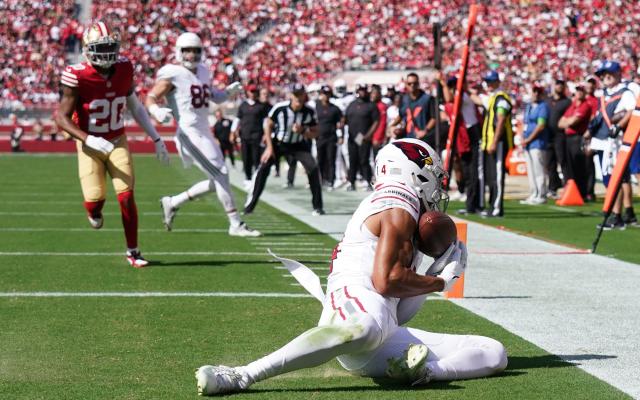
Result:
<point x="361" y="86"/>
<point x="608" y="66"/>
<point x="298" y="88"/>
<point x="491" y="76"/>
<point x="326" y="89"/>
<point x="252" y="88"/>
<point x="537" y="87"/>
<point x="452" y="81"/>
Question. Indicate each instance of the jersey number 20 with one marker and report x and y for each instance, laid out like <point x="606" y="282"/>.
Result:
<point x="106" y="116"/>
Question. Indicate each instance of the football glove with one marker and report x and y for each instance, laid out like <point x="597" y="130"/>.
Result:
<point x="456" y="266"/>
<point x="233" y="89"/>
<point x="614" y="131"/>
<point x="161" y="151"/>
<point x="161" y="114"/>
<point x="99" y="144"/>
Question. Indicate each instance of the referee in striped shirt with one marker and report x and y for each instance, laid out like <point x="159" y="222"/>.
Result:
<point x="288" y="132"/>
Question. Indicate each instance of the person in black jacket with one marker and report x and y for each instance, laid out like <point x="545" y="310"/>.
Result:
<point x="222" y="132"/>
<point x="251" y="116"/>
<point x="362" y="118"/>
<point x="330" y="122"/>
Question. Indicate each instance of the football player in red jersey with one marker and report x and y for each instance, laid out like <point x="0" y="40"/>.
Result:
<point x="94" y="96"/>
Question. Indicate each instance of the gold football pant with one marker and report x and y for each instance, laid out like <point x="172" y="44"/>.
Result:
<point x="93" y="167"/>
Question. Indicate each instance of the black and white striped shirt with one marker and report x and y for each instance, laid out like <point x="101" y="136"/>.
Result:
<point x="284" y="118"/>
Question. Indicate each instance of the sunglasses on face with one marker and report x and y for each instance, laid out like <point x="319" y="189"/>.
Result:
<point x="412" y="83"/>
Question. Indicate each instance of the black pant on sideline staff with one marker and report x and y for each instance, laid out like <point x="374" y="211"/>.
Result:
<point x="299" y="153"/>
<point x="327" y="150"/>
<point x="556" y="158"/>
<point x="575" y="161"/>
<point x="227" y="150"/>
<point x="251" y="151"/>
<point x="590" y="172"/>
<point x="359" y="160"/>
<point x="493" y="173"/>
<point x="470" y="169"/>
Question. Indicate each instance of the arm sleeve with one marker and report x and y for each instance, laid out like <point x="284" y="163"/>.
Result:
<point x="142" y="118"/>
<point x="69" y="77"/>
<point x="310" y="118"/>
<point x="375" y="114"/>
<point x="218" y="96"/>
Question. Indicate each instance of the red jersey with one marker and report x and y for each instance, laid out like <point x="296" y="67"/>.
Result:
<point x="101" y="101"/>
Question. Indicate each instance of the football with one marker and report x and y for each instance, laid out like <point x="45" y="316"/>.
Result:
<point x="436" y="232"/>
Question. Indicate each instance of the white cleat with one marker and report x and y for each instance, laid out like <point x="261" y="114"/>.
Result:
<point x="135" y="259"/>
<point x="168" y="212"/>
<point x="95" y="222"/>
<point x="243" y="230"/>
<point x="411" y="367"/>
<point x="220" y="379"/>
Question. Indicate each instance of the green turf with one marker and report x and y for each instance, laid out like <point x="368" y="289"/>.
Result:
<point x="147" y="348"/>
<point x="575" y="226"/>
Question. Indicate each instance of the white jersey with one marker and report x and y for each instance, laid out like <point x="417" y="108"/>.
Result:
<point x="353" y="257"/>
<point x="189" y="98"/>
<point x="343" y="102"/>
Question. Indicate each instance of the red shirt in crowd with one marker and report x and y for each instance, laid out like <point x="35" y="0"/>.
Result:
<point x="593" y="103"/>
<point x="380" y="132"/>
<point x="583" y="112"/>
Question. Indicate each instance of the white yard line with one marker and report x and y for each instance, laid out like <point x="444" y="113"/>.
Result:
<point x="154" y="253"/>
<point x="153" y="294"/>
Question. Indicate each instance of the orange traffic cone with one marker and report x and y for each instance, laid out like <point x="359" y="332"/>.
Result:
<point x="571" y="195"/>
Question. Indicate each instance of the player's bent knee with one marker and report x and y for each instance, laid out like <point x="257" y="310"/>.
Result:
<point x="363" y="331"/>
<point x="496" y="356"/>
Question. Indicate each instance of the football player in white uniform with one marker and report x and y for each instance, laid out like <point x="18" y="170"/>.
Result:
<point x="187" y="89"/>
<point x="373" y="289"/>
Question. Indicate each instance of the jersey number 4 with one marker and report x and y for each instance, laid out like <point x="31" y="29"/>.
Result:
<point x="200" y="96"/>
<point x="106" y="115"/>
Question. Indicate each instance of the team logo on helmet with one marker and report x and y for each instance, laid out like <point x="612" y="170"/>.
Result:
<point x="415" y="153"/>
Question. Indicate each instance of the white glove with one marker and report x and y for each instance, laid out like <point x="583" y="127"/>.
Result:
<point x="234" y="89"/>
<point x="99" y="144"/>
<point x="438" y="265"/>
<point x="161" y="152"/>
<point x="456" y="266"/>
<point x="161" y="114"/>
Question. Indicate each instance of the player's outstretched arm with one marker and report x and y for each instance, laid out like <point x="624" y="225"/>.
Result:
<point x="142" y="118"/>
<point x="394" y="228"/>
<point x="157" y="93"/>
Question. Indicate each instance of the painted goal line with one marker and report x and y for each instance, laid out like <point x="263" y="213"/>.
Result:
<point x="153" y="294"/>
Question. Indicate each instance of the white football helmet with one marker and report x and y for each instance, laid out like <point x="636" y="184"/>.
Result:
<point x="188" y="40"/>
<point x="100" y="45"/>
<point x="340" y="87"/>
<point x="416" y="164"/>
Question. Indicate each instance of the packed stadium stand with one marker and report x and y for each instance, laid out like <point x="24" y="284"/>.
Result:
<point x="277" y="42"/>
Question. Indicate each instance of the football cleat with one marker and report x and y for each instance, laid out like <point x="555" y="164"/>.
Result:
<point x="168" y="212"/>
<point x="411" y="367"/>
<point x="96" y="222"/>
<point x="135" y="259"/>
<point x="220" y="379"/>
<point x="243" y="230"/>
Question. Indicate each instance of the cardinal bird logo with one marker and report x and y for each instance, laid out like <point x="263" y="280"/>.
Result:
<point x="414" y="153"/>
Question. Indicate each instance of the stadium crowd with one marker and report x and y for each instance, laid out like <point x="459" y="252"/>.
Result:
<point x="34" y="40"/>
<point x="309" y="41"/>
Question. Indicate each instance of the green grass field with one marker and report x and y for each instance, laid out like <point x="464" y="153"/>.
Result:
<point x="148" y="347"/>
